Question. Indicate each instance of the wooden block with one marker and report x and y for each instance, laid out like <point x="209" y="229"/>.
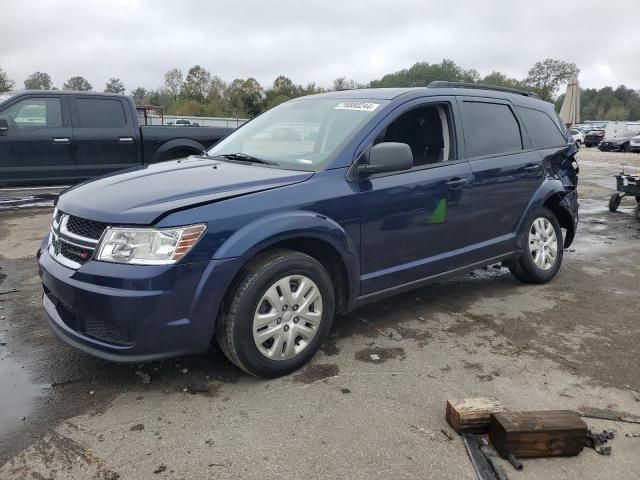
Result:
<point x="554" y="433"/>
<point x="471" y="415"/>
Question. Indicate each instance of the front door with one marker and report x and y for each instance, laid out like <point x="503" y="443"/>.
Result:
<point x="37" y="148"/>
<point x="413" y="223"/>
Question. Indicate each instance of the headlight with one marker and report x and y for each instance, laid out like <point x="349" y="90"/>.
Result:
<point x="148" y="246"/>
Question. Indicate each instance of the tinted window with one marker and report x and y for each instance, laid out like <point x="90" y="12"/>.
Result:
<point x="100" y="113"/>
<point x="543" y="131"/>
<point x="33" y="113"/>
<point x="490" y="129"/>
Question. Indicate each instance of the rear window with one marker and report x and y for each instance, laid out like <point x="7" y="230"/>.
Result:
<point x="490" y="129"/>
<point x="542" y="129"/>
<point x="100" y="113"/>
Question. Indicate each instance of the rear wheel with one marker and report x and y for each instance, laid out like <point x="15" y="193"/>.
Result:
<point x="278" y="315"/>
<point x="542" y="257"/>
<point x="614" y="201"/>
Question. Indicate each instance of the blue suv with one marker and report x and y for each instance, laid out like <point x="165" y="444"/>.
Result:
<point x="309" y="210"/>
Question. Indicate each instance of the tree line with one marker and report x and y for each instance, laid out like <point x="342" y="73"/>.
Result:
<point x="201" y="93"/>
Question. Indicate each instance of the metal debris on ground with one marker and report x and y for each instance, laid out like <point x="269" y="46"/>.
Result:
<point x="483" y="466"/>
<point x="375" y="357"/>
<point x="597" y="441"/>
<point x="603" y="414"/>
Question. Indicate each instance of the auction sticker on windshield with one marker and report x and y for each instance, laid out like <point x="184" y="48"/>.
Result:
<point x="362" y="106"/>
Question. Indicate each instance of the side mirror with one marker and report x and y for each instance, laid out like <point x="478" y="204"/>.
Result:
<point x="4" y="125"/>
<point x="387" y="157"/>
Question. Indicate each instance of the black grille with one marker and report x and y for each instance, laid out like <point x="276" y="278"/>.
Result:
<point x="58" y="216"/>
<point x="78" y="255"/>
<point x="90" y="326"/>
<point x="85" y="228"/>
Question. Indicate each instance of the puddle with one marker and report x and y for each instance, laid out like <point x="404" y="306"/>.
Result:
<point x="17" y="394"/>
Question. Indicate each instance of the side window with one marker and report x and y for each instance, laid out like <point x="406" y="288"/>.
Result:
<point x="100" y="113"/>
<point x="490" y="129"/>
<point x="543" y="131"/>
<point x="427" y="130"/>
<point x="33" y="113"/>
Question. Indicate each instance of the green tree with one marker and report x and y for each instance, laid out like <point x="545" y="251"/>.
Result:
<point x="547" y="76"/>
<point x="342" y="83"/>
<point x="5" y="83"/>
<point x="422" y="74"/>
<point x="500" y="80"/>
<point x="196" y="85"/>
<point x="38" y="81"/>
<point x="139" y="95"/>
<point x="173" y="80"/>
<point x="114" y="85"/>
<point x="78" y="84"/>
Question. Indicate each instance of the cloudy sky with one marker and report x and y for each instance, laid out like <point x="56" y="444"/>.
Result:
<point x="138" y="41"/>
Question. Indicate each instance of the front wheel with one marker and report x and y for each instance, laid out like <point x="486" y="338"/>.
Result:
<point x="542" y="256"/>
<point x="278" y="315"/>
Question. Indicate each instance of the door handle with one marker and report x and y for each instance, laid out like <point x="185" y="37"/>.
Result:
<point x="125" y="139"/>
<point x="532" y="168"/>
<point x="62" y="140"/>
<point x="457" y="182"/>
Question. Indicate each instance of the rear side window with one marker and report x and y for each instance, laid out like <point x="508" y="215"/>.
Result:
<point x="100" y="113"/>
<point x="490" y="129"/>
<point x="542" y="129"/>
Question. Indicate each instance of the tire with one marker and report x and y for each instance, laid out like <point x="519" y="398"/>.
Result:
<point x="627" y="148"/>
<point x="540" y="265"/>
<point x="263" y="293"/>
<point x="614" y="201"/>
<point x="578" y="144"/>
<point x="638" y="211"/>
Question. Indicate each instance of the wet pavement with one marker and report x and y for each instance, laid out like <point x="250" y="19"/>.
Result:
<point x="12" y="198"/>
<point x="369" y="405"/>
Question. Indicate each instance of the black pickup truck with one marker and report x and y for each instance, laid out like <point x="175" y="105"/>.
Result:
<point x="61" y="138"/>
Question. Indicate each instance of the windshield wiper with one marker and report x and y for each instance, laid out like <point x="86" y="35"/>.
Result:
<point x="243" y="157"/>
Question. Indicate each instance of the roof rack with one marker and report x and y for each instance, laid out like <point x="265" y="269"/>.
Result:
<point x="480" y="86"/>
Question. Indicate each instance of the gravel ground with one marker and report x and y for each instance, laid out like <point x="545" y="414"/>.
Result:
<point x="568" y="344"/>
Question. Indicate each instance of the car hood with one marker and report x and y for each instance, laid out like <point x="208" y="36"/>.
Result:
<point x="141" y="195"/>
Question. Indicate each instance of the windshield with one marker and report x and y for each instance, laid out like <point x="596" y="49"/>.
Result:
<point x="301" y="134"/>
<point x="6" y="96"/>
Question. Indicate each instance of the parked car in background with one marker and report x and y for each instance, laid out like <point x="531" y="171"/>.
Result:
<point x="60" y="138"/>
<point x="578" y="136"/>
<point x="619" y="143"/>
<point x="593" y="138"/>
<point x="182" y="122"/>
<point x="259" y="241"/>
<point x="634" y="144"/>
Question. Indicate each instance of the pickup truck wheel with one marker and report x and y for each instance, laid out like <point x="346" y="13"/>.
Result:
<point x="278" y="315"/>
<point x="542" y="257"/>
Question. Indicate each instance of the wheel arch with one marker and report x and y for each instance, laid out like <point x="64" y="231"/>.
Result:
<point x="177" y="144"/>
<point x="307" y="232"/>
<point x="552" y="195"/>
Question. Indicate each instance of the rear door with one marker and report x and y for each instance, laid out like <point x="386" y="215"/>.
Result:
<point x="37" y="148"/>
<point x="106" y="135"/>
<point x="506" y="173"/>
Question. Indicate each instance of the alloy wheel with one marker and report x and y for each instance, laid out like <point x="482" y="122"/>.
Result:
<point x="287" y="317"/>
<point x="543" y="243"/>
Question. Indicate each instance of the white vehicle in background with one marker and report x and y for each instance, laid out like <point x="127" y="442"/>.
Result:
<point x="634" y="144"/>
<point x="578" y="136"/>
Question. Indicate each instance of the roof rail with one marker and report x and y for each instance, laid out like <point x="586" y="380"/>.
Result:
<point x="481" y="86"/>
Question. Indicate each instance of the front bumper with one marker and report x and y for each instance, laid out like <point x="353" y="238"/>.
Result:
<point x="135" y="313"/>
